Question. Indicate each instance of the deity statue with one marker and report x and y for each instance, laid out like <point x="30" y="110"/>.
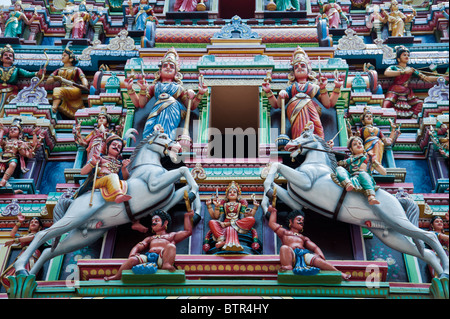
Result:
<point x="303" y="88"/>
<point x="284" y="5"/>
<point x="231" y="217"/>
<point x="158" y="250"/>
<point x="354" y="173"/>
<point x="142" y="14"/>
<point x="374" y="139"/>
<point x="34" y="226"/>
<point x="95" y="141"/>
<point x="15" y="148"/>
<point x="332" y="11"/>
<point x="14" y="24"/>
<point x="440" y="138"/>
<point x="299" y="253"/>
<point x="399" y="95"/>
<point x="396" y="19"/>
<point x="67" y="98"/>
<point x="9" y="76"/>
<point x="171" y="97"/>
<point x="79" y="20"/>
<point x="187" y="5"/>
<point x="437" y="227"/>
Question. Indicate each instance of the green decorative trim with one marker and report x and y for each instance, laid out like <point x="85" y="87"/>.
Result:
<point x="439" y="288"/>
<point x="324" y="277"/>
<point x="411" y="268"/>
<point x="236" y="288"/>
<point x="54" y="269"/>
<point x="22" y="286"/>
<point x="160" y="277"/>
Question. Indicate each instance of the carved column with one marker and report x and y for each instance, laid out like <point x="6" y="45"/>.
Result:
<point x="98" y="29"/>
<point x="443" y="27"/>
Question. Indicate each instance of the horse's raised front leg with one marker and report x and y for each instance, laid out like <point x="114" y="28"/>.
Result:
<point x="169" y="178"/>
<point x="58" y="229"/>
<point x="405" y="227"/>
<point x="402" y="244"/>
<point x="75" y="239"/>
<point x="295" y="177"/>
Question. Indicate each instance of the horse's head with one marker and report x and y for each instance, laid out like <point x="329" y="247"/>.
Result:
<point x="161" y="143"/>
<point x="296" y="146"/>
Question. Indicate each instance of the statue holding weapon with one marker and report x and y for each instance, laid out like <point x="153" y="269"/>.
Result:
<point x="67" y="98"/>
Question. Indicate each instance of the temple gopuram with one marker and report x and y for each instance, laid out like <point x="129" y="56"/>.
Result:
<point x="214" y="149"/>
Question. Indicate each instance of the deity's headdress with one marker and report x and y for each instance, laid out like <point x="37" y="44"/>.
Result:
<point x="113" y="137"/>
<point x="172" y="57"/>
<point x="7" y="48"/>
<point x="399" y="49"/>
<point x="71" y="54"/>
<point x="17" y="122"/>
<point x="234" y="185"/>
<point x="364" y="113"/>
<point x="351" y="139"/>
<point x="104" y="111"/>
<point x="300" y="56"/>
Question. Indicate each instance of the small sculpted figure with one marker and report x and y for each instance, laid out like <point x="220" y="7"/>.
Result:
<point x="230" y="218"/>
<point x="15" y="148"/>
<point x="67" y="98"/>
<point x="142" y="14"/>
<point x="13" y="25"/>
<point x="157" y="251"/>
<point x="399" y="95"/>
<point x="186" y="5"/>
<point x="301" y="107"/>
<point x="298" y="253"/>
<point x="354" y="173"/>
<point x="80" y="20"/>
<point x="95" y="141"/>
<point x="171" y="97"/>
<point x="9" y="76"/>
<point x="287" y="5"/>
<point x="374" y="139"/>
<point x="332" y="11"/>
<point x="35" y="226"/>
<point x="440" y="138"/>
<point x="396" y="19"/>
<point x="437" y="227"/>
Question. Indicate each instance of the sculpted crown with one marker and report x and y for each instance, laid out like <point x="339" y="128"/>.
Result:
<point x="299" y="56"/>
<point x="171" y="56"/>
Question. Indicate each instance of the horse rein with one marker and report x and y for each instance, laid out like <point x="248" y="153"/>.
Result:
<point x="302" y="146"/>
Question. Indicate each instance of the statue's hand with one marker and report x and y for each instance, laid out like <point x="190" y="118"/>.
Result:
<point x="283" y="94"/>
<point x="266" y="87"/>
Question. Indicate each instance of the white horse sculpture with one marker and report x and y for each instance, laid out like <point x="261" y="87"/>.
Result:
<point x="310" y="185"/>
<point x="150" y="185"/>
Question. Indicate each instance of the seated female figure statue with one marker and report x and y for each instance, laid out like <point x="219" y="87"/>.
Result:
<point x="230" y="218"/>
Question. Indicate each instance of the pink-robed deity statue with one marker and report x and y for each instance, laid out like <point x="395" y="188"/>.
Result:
<point x="301" y="108"/>
<point x="186" y="5"/>
<point x="230" y="218"/>
<point x="80" y="21"/>
<point x="332" y="11"/>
